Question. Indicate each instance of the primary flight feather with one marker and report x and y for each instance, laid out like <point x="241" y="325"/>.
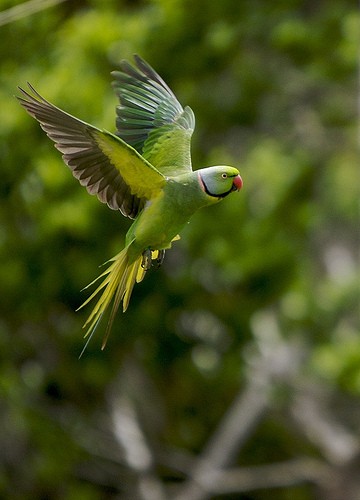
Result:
<point x="144" y="170"/>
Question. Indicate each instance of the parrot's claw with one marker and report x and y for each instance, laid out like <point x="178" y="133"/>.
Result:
<point x="146" y="259"/>
<point x="160" y="258"/>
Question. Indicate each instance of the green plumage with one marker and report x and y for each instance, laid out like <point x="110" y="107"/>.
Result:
<point x="151" y="119"/>
<point x="144" y="170"/>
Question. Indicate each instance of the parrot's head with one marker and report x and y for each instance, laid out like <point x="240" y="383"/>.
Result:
<point x="220" y="181"/>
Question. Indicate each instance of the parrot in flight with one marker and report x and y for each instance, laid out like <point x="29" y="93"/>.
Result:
<point x="144" y="170"/>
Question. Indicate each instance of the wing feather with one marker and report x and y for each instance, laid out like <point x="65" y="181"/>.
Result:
<point x="102" y="162"/>
<point x="151" y="119"/>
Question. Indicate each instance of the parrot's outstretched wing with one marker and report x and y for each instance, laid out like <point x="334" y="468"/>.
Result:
<point x="101" y="161"/>
<point x="151" y="119"/>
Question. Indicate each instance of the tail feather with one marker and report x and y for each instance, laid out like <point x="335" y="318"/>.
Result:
<point x="120" y="278"/>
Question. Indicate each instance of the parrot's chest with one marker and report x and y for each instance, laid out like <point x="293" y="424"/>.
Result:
<point x="164" y="217"/>
<point x="157" y="227"/>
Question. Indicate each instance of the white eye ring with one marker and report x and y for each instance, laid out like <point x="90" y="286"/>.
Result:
<point x="224" y="175"/>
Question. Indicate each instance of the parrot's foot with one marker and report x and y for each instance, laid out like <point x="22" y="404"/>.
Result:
<point x="146" y="259"/>
<point x="160" y="258"/>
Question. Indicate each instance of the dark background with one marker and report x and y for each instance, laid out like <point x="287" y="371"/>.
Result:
<point x="235" y="372"/>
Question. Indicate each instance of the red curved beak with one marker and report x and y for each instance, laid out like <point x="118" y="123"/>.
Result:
<point x="237" y="183"/>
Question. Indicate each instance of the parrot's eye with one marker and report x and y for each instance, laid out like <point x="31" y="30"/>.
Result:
<point x="224" y="175"/>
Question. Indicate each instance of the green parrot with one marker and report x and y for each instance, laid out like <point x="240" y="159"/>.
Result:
<point x="144" y="170"/>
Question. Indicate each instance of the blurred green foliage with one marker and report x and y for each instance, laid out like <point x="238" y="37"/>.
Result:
<point x="273" y="87"/>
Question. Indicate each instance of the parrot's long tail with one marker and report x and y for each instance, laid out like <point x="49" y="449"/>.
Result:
<point x="119" y="281"/>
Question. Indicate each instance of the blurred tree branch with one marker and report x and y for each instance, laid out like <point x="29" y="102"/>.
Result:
<point x="316" y="421"/>
<point x="274" y="363"/>
<point x="138" y="455"/>
<point x="275" y="475"/>
<point x="129" y="401"/>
